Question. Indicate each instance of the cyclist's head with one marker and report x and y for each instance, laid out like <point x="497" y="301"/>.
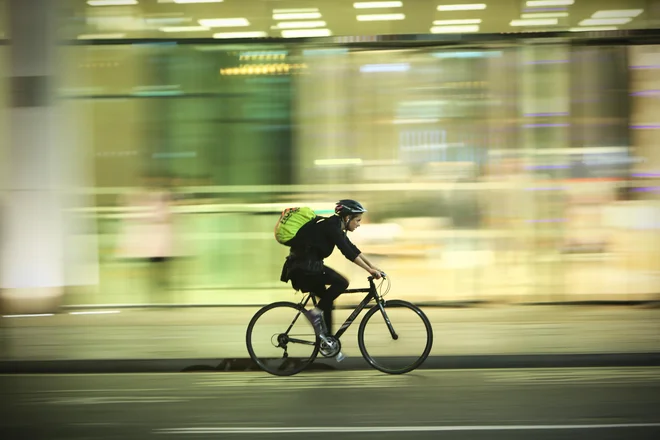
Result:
<point x="350" y="212"/>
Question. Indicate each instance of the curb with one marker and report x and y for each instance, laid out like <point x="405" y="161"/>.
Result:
<point x="110" y="366"/>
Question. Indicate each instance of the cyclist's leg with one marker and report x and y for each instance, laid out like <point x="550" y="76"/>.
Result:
<point x="314" y="284"/>
<point x="337" y="284"/>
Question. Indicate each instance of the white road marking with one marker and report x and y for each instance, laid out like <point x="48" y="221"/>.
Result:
<point x="373" y="429"/>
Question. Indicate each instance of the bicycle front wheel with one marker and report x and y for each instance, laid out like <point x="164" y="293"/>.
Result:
<point x="395" y="337"/>
<point x="281" y="340"/>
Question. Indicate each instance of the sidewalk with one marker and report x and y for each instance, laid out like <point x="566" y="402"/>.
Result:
<point x="219" y="333"/>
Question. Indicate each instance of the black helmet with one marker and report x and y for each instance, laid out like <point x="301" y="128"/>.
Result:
<point x="348" y="207"/>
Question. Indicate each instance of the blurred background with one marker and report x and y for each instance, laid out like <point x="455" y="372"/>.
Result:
<point x="506" y="151"/>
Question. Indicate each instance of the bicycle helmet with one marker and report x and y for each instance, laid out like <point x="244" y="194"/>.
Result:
<point x="348" y="207"/>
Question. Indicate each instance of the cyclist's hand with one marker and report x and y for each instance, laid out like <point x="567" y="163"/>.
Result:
<point x="375" y="273"/>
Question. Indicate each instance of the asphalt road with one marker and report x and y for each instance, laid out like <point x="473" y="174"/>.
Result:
<point x="572" y="403"/>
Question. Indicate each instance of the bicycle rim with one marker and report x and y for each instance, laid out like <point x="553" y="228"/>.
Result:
<point x="281" y="340"/>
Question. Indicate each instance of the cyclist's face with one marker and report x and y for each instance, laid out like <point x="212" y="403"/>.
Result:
<point x="354" y="223"/>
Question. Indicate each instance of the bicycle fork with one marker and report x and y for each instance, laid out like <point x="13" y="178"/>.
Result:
<point x="395" y="336"/>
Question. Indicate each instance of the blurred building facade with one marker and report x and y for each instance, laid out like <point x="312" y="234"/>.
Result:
<point x="513" y="167"/>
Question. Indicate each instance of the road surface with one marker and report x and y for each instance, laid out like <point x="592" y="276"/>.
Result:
<point x="569" y="403"/>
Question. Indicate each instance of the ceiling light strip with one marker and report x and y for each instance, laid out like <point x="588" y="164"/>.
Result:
<point x="304" y="33"/>
<point x="534" y="3"/>
<point x="376" y="5"/>
<point x="238" y="35"/>
<point x="453" y="22"/>
<point x="454" y="29"/>
<point x="112" y="2"/>
<point x="617" y="13"/>
<point x="296" y="16"/>
<point x="466" y="7"/>
<point x="535" y="22"/>
<point x="301" y="24"/>
<point x="224" y="22"/>
<point x="381" y="17"/>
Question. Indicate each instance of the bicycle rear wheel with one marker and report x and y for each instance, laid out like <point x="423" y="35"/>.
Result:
<point x="281" y="340"/>
<point x="395" y="339"/>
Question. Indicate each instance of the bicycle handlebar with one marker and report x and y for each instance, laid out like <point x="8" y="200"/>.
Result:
<point x="382" y="274"/>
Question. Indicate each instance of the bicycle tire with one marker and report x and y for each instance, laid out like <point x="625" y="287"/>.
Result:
<point x="396" y="303"/>
<point x="250" y="328"/>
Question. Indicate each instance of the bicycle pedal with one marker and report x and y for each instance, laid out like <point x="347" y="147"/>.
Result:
<point x="340" y="356"/>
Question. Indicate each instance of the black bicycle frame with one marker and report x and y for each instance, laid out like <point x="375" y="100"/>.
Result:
<point x="371" y="294"/>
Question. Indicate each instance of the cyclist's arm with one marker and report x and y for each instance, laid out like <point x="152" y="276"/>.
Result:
<point x="364" y="258"/>
<point x="348" y="249"/>
<point x="351" y="252"/>
<point x="360" y="261"/>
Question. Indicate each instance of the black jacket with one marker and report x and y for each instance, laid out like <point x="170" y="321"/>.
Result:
<point x="317" y="240"/>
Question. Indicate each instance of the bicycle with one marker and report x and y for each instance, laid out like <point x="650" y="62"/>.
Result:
<point x="308" y="338"/>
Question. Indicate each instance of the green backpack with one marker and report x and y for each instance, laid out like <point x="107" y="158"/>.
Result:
<point x="290" y="222"/>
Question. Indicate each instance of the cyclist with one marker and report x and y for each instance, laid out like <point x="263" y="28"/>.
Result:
<point x="316" y="241"/>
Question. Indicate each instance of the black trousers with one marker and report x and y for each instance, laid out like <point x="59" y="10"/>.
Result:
<point x="327" y="287"/>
